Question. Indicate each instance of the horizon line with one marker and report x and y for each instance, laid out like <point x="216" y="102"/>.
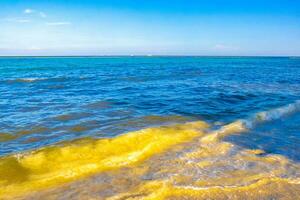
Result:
<point x="146" y="55"/>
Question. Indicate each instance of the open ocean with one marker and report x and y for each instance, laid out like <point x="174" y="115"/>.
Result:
<point x="150" y="128"/>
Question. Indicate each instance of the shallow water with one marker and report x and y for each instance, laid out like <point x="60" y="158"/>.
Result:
<point x="59" y="112"/>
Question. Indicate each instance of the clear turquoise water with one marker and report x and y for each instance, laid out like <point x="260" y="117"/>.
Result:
<point x="48" y="100"/>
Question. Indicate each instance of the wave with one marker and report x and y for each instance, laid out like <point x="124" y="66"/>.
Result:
<point x="273" y="114"/>
<point x="25" y="80"/>
<point x="169" y="162"/>
<point x="36" y="79"/>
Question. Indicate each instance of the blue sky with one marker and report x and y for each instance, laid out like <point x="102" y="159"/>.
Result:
<point x="157" y="27"/>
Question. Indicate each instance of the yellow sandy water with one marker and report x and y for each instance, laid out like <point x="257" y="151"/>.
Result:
<point x="59" y="164"/>
<point x="184" y="161"/>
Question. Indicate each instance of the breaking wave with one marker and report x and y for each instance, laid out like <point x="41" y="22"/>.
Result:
<point x="273" y="114"/>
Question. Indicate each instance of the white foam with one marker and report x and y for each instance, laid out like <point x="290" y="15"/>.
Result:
<point x="273" y="114"/>
<point x="28" y="79"/>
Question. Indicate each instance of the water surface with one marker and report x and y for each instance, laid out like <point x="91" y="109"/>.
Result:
<point x="47" y="103"/>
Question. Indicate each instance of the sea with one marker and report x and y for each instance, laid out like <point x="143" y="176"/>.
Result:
<point x="150" y="127"/>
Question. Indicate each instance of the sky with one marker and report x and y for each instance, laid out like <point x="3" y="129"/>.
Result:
<point x="150" y="27"/>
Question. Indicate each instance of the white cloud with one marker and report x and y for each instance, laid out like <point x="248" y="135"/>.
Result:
<point x="22" y="20"/>
<point x="17" y="20"/>
<point x="43" y="15"/>
<point x="58" y="23"/>
<point x="36" y="12"/>
<point x="222" y="47"/>
<point x="34" y="48"/>
<point x="29" y="11"/>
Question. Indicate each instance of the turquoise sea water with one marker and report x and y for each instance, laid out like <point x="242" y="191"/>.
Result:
<point x="44" y="101"/>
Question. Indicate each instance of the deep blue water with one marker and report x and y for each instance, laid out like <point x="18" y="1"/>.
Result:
<point x="47" y="100"/>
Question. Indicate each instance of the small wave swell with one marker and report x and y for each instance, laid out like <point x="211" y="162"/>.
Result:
<point x="26" y="80"/>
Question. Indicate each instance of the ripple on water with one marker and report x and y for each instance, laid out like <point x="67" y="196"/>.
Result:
<point x="5" y="137"/>
<point x="78" y="128"/>
<point x="99" y="105"/>
<point x="72" y="116"/>
<point x="153" y="120"/>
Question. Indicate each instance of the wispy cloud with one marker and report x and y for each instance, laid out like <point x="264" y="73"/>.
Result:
<point x="28" y="11"/>
<point x="58" y="23"/>
<point x="34" y="48"/>
<point x="43" y="15"/>
<point x="22" y="20"/>
<point x="17" y="20"/>
<point x="222" y="47"/>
